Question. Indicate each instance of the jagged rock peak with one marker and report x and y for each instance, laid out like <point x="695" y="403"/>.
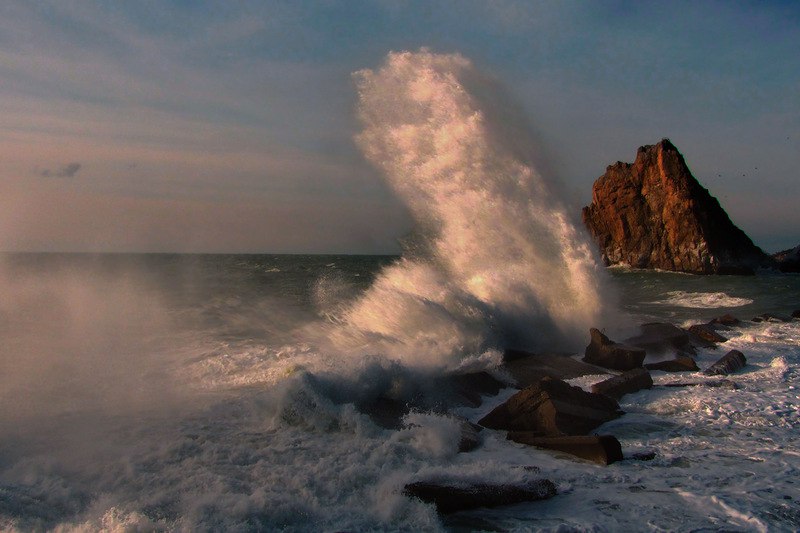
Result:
<point x="653" y="213"/>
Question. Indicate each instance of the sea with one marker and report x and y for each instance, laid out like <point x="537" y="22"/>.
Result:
<point x="159" y="392"/>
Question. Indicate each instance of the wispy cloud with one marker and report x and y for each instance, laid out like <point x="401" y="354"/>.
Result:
<point x="67" y="171"/>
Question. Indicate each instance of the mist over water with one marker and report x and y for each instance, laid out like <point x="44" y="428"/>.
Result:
<point x="498" y="261"/>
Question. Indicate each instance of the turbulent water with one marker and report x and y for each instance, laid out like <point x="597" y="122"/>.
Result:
<point x="168" y="393"/>
<point x="227" y="393"/>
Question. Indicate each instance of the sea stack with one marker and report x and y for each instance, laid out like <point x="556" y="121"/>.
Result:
<point x="655" y="214"/>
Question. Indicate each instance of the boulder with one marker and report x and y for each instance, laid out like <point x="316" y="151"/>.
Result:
<point x="728" y="363"/>
<point x="603" y="449"/>
<point x="627" y="382"/>
<point x="465" y="389"/>
<point x="654" y="214"/>
<point x="706" y="333"/>
<point x="527" y="368"/>
<point x="657" y="338"/>
<point x="788" y="260"/>
<point x="726" y="320"/>
<point x="769" y="317"/>
<point x="679" y="364"/>
<point x="609" y="354"/>
<point x="450" y="498"/>
<point x="552" y="408"/>
<point x="796" y="313"/>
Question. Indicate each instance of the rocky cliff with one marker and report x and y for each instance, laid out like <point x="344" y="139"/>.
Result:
<point x="654" y="214"/>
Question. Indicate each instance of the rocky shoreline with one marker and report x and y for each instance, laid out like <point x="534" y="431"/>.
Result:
<point x="550" y="414"/>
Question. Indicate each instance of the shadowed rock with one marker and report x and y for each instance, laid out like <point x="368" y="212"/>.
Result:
<point x="609" y="354"/>
<point x="654" y="214"/>
<point x="626" y="383"/>
<point x="788" y="260"/>
<point x="727" y="320"/>
<point x="718" y="383"/>
<point x="602" y="449"/>
<point x="769" y="317"/>
<point x="469" y="438"/>
<point x="527" y="368"/>
<point x="707" y="333"/>
<point x="727" y="364"/>
<point x="679" y="364"/>
<point x="552" y="408"/>
<point x="796" y="313"/>
<point x="450" y="498"/>
<point x="660" y="337"/>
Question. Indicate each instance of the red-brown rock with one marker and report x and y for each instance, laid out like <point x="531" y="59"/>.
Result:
<point x="707" y="333"/>
<point x="679" y="364"/>
<point x="730" y="362"/>
<point x="603" y="449"/>
<point x="626" y="383"/>
<point x="609" y="354"/>
<point x="654" y="214"/>
<point x="727" y="320"/>
<point x="552" y="408"/>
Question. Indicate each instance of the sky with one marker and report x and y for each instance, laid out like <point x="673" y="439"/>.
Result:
<point x="191" y="126"/>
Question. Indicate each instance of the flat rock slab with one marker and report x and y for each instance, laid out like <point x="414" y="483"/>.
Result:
<point x="627" y="382"/>
<point x="604" y="352"/>
<point x="707" y="333"/>
<point x="552" y="408"/>
<point x="452" y="498"/>
<point x="727" y="364"/>
<point x="527" y="368"/>
<point x="661" y="337"/>
<point x="602" y="449"/>
<point x="679" y="364"/>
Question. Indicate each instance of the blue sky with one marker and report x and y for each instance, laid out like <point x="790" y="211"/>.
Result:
<point x="227" y="126"/>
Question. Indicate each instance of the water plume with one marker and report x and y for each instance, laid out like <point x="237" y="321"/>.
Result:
<point x="499" y="262"/>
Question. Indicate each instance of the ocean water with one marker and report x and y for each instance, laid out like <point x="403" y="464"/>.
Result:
<point x="177" y="393"/>
<point x="227" y="392"/>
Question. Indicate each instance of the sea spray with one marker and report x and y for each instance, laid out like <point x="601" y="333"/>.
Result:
<point x="501" y="263"/>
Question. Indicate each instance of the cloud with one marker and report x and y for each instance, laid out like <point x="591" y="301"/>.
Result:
<point x="67" y="171"/>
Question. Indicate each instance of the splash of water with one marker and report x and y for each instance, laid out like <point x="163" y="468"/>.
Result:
<point x="501" y="263"/>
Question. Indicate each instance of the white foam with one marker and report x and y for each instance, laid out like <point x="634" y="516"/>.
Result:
<point x="702" y="300"/>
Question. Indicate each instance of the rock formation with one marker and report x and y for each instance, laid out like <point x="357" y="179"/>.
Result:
<point x="788" y="260"/>
<point x="654" y="214"/>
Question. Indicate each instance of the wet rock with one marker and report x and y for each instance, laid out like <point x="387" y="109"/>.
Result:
<point x="385" y="412"/>
<point x="796" y="314"/>
<point x="707" y="333"/>
<point x="679" y="364"/>
<point x="788" y="260"/>
<point x="626" y="383"/>
<point x="769" y="317"/>
<point x="727" y="364"/>
<point x="717" y="383"/>
<point x="450" y="498"/>
<point x="660" y="338"/>
<point x="552" y="408"/>
<point x="602" y="449"/>
<point x="654" y="214"/>
<point x="644" y="456"/>
<point x="726" y="320"/>
<point x="609" y="354"/>
<point x="466" y="389"/>
<point x="469" y="438"/>
<point x="527" y="368"/>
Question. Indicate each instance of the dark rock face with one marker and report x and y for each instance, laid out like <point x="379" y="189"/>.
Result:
<point x="654" y="214"/>
<point x="730" y="362"/>
<point x="609" y="354"/>
<point x="769" y="317"/>
<point x="527" y="368"/>
<point x="661" y="337"/>
<point x="788" y="260"/>
<point x="552" y="408"/>
<point x="626" y="383"/>
<point x="679" y="364"/>
<point x="727" y="320"/>
<point x="707" y="333"/>
<point x="603" y="449"/>
<point x="796" y="313"/>
<point x="469" y="438"/>
<point x="452" y="498"/>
